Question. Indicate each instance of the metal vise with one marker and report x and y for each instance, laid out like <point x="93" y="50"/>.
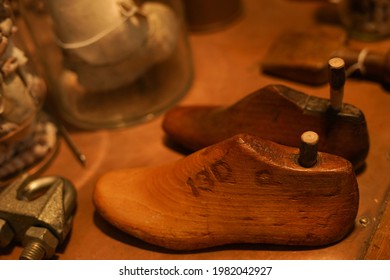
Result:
<point x="37" y="213"/>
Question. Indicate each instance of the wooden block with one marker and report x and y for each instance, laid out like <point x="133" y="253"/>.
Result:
<point x="242" y="190"/>
<point x="277" y="113"/>
<point x="302" y="54"/>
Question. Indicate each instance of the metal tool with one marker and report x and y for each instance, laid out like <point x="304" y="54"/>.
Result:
<point x="68" y="139"/>
<point x="37" y="213"/>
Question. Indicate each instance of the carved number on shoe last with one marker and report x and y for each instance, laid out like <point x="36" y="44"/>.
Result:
<point x="205" y="179"/>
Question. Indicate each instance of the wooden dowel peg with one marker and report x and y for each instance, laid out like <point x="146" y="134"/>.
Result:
<point x="336" y="70"/>
<point x="308" y="149"/>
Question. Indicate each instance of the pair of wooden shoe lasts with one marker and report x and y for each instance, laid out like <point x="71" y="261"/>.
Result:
<point x="240" y="188"/>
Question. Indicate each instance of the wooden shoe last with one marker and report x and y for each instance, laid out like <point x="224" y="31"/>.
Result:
<point x="277" y="113"/>
<point x="242" y="190"/>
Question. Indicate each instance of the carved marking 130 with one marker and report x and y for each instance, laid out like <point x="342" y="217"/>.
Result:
<point x="205" y="180"/>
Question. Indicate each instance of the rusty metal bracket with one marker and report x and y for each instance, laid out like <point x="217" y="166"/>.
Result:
<point x="37" y="213"/>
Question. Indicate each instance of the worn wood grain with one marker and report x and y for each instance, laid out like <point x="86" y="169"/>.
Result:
<point x="226" y="66"/>
<point x="242" y="190"/>
<point x="277" y="113"/>
<point x="379" y="247"/>
<point x="302" y="54"/>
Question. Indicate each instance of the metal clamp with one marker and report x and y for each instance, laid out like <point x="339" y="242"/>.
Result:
<point x="37" y="213"/>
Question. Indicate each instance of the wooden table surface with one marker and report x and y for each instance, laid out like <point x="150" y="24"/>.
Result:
<point x="227" y="68"/>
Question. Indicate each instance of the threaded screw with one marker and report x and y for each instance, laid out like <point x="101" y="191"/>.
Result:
<point x="33" y="251"/>
<point x="39" y="243"/>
